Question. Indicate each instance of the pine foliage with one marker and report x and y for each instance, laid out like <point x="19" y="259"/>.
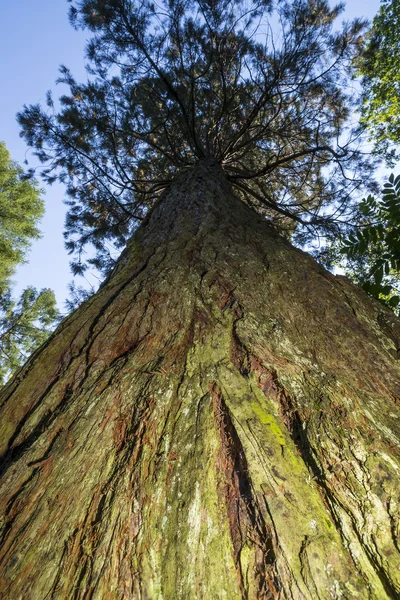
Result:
<point x="257" y="86"/>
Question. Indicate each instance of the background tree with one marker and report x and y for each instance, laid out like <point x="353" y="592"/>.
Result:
<point x="21" y="207"/>
<point x="24" y="326"/>
<point x="26" y="323"/>
<point x="379" y="64"/>
<point x="369" y="249"/>
<point x="221" y="419"/>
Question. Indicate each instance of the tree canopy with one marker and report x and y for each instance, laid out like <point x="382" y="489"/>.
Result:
<point x="259" y="87"/>
<point x="379" y="64"/>
<point x="21" y="206"/>
<point x="370" y="252"/>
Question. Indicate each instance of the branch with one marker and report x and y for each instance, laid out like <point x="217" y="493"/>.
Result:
<point x="243" y="175"/>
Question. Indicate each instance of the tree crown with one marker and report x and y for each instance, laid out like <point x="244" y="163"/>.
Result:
<point x="256" y="87"/>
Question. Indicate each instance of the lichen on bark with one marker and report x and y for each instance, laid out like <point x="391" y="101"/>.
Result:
<point x="219" y="421"/>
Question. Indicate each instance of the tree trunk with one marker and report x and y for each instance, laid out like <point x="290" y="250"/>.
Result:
<point x="221" y="420"/>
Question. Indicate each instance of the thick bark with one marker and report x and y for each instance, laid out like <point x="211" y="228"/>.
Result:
<point x="219" y="421"/>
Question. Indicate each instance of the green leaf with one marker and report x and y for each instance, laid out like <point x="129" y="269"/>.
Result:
<point x="378" y="275"/>
<point x="386" y="289"/>
<point x="371" y="288"/>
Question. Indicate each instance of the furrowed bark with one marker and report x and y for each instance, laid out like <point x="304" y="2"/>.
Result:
<point x="221" y="420"/>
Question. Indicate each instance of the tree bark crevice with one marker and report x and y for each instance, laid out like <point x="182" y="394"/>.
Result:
<point x="247" y="526"/>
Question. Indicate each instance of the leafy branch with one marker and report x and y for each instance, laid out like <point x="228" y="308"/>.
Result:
<point x="372" y="249"/>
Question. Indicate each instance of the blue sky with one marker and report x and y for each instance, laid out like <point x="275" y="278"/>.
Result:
<point x="35" y="38"/>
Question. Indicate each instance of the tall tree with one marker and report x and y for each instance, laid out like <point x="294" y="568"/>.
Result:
<point x="221" y="419"/>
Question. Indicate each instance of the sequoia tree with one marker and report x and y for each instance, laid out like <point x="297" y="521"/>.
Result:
<point x="220" y="420"/>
